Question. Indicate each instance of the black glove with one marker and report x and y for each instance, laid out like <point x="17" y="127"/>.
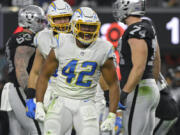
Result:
<point x="30" y="93"/>
<point x="30" y="103"/>
<point x="123" y="97"/>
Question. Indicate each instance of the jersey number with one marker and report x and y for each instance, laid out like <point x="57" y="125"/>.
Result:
<point x="22" y="38"/>
<point x="136" y="28"/>
<point x="70" y="71"/>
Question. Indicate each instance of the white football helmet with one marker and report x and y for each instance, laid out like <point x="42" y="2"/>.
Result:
<point x="87" y="17"/>
<point x="32" y="17"/>
<point x="124" y="8"/>
<point x="57" y="9"/>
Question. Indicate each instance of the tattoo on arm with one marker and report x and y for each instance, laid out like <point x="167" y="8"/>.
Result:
<point x="21" y="60"/>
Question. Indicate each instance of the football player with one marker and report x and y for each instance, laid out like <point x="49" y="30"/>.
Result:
<point x="59" y="14"/>
<point x="167" y="111"/>
<point x="20" y="53"/>
<point x="173" y="79"/>
<point x="80" y="58"/>
<point x="137" y="49"/>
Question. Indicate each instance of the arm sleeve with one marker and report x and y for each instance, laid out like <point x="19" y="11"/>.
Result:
<point x="109" y="54"/>
<point x="25" y="39"/>
<point x="139" y="32"/>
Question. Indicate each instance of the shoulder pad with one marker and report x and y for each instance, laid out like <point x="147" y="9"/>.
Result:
<point x="42" y="37"/>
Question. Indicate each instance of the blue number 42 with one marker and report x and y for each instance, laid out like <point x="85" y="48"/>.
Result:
<point x="70" y="71"/>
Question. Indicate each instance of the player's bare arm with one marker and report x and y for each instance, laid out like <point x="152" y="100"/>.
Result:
<point x="110" y="77"/>
<point x="35" y="71"/>
<point x="157" y="63"/>
<point x="48" y="69"/>
<point x="139" y="53"/>
<point x="103" y="84"/>
<point x="21" y="60"/>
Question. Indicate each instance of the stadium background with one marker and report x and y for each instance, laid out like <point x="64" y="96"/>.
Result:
<point x="166" y="20"/>
<point x="167" y="23"/>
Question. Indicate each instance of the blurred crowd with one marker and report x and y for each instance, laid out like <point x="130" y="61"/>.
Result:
<point x="163" y="3"/>
<point x="3" y="69"/>
<point x="170" y="66"/>
<point x="91" y="3"/>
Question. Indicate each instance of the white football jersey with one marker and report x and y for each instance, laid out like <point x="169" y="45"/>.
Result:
<point x="43" y="41"/>
<point x="99" y="94"/>
<point x="79" y="68"/>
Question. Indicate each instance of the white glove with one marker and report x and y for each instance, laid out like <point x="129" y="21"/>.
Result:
<point x="109" y="123"/>
<point x="40" y="114"/>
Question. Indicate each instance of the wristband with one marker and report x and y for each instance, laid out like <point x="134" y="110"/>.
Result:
<point x="30" y="93"/>
<point x="123" y="97"/>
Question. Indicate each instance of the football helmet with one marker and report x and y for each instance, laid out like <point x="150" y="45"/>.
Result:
<point x="32" y="17"/>
<point x="124" y="8"/>
<point x="85" y="17"/>
<point x="57" y="9"/>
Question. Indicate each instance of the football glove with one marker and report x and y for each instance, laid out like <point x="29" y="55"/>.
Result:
<point x="109" y="124"/>
<point x="122" y="107"/>
<point x="40" y="113"/>
<point x="118" y="125"/>
<point x="123" y="98"/>
<point x="30" y="108"/>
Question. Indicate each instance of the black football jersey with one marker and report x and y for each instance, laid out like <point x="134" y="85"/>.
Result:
<point x="16" y="40"/>
<point x="140" y="30"/>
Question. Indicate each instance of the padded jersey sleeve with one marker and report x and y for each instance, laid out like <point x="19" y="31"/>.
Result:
<point x="109" y="53"/>
<point x="56" y="44"/>
<point x="25" y="39"/>
<point x="35" y="41"/>
<point x="55" y="41"/>
<point x="41" y="42"/>
<point x="44" y="41"/>
<point x="139" y="31"/>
